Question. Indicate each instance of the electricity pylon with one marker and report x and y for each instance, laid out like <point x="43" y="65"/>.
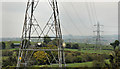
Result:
<point x="98" y="34"/>
<point x="32" y="30"/>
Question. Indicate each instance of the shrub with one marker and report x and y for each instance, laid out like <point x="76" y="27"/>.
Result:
<point x="68" y="45"/>
<point x="69" y="58"/>
<point x="7" y="53"/>
<point x="78" y="59"/>
<point x="41" y="57"/>
<point x="3" y="45"/>
<point x="11" y="61"/>
<point x="98" y="64"/>
<point x="75" y="46"/>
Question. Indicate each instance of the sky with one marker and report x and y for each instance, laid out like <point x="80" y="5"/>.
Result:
<point x="77" y="18"/>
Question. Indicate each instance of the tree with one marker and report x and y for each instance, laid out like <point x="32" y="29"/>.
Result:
<point x="46" y="39"/>
<point x="115" y="44"/>
<point x="12" y="45"/>
<point x="26" y="43"/>
<point x="54" y="42"/>
<point x="114" y="59"/>
<point x="115" y="56"/>
<point x="68" y="45"/>
<point x="75" y="46"/>
<point x="69" y="58"/>
<point x="3" y="45"/>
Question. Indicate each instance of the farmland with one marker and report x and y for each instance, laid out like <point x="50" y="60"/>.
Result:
<point x="84" y="56"/>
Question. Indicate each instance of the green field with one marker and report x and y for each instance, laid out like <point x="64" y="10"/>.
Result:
<point x="83" y="50"/>
<point x="90" y="51"/>
<point x="84" y="64"/>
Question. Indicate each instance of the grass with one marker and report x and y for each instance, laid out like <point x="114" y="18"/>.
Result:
<point x="85" y="64"/>
<point x="90" y="51"/>
<point x="5" y="57"/>
<point x="96" y="51"/>
<point x="84" y="51"/>
<point x="10" y="49"/>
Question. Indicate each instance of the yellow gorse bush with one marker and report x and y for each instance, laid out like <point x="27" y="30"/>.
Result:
<point x="41" y="56"/>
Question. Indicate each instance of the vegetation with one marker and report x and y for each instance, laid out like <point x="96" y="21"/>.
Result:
<point x="41" y="57"/>
<point x="47" y="39"/>
<point x="114" y="57"/>
<point x="75" y="46"/>
<point x="3" y="45"/>
<point x="9" y="58"/>
<point x="114" y="44"/>
<point x="83" y="55"/>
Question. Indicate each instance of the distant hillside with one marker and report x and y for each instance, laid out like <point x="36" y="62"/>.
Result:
<point x="106" y="39"/>
<point x="80" y="39"/>
<point x="11" y="39"/>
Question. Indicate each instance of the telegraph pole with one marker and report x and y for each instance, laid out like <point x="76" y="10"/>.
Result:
<point x="98" y="34"/>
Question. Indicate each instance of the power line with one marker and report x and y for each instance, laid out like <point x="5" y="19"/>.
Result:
<point x="90" y="18"/>
<point x="95" y="11"/>
<point x="65" y="29"/>
<point x="93" y="14"/>
<point x="75" y="26"/>
<point x="77" y="15"/>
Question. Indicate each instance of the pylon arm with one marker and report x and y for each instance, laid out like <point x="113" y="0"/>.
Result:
<point x="41" y="37"/>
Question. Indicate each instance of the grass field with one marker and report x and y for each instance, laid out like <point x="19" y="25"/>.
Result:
<point x="10" y="49"/>
<point x="90" y="51"/>
<point x="84" y="51"/>
<point x="84" y="64"/>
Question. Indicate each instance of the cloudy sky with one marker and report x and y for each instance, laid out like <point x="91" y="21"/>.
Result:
<point x="77" y="18"/>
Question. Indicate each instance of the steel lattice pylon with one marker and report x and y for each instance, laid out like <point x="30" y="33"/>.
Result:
<point x="98" y="36"/>
<point x="32" y="30"/>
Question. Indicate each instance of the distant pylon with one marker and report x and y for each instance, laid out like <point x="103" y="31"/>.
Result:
<point x="98" y="35"/>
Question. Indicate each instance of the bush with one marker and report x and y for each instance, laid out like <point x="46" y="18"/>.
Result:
<point x="3" y="45"/>
<point x="11" y="61"/>
<point x="41" y="57"/>
<point x="7" y="53"/>
<point x="86" y="57"/>
<point x="12" y="45"/>
<point x="68" y="45"/>
<point x="78" y="59"/>
<point x="98" y="64"/>
<point x="69" y="58"/>
<point x="75" y="46"/>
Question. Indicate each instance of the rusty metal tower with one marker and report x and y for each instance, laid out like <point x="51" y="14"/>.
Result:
<point x="32" y="30"/>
